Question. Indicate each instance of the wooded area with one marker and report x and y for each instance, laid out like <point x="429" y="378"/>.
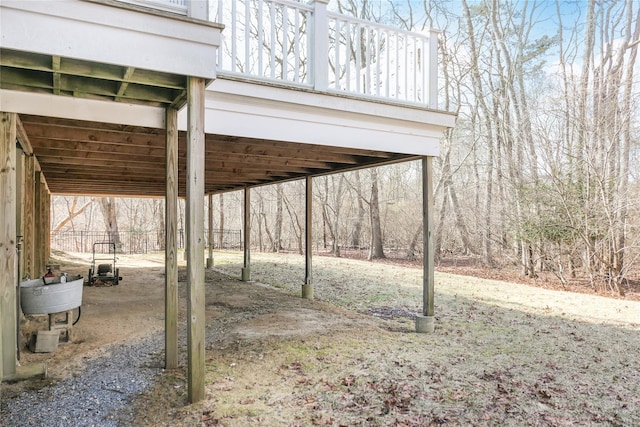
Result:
<point x="537" y="172"/>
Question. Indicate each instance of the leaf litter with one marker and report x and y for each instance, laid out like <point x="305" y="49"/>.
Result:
<point x="502" y="354"/>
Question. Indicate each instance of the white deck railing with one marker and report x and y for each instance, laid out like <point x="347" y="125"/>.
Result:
<point x="304" y="44"/>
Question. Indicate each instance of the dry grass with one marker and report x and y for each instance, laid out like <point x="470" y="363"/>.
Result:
<point x="502" y="354"/>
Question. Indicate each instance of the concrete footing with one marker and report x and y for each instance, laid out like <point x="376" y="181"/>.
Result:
<point x="246" y="274"/>
<point x="209" y="263"/>
<point x="307" y="291"/>
<point x="425" y="324"/>
<point x="27" y="372"/>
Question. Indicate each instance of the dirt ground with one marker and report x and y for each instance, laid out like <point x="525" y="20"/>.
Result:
<point x="113" y="314"/>
<point x="503" y="353"/>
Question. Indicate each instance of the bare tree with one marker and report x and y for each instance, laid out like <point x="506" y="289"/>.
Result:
<point x="73" y="211"/>
<point x="221" y="222"/>
<point x="376" y="250"/>
<point x="277" y="244"/>
<point x="110" y="216"/>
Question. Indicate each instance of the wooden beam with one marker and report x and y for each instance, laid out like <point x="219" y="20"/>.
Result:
<point x="195" y="240"/>
<point x="307" y="287"/>
<point x="97" y="147"/>
<point x="99" y="71"/>
<point x="246" y="235"/>
<point x="55" y="67"/>
<point x="8" y="273"/>
<point x="79" y="132"/>
<point x="23" y="138"/>
<point x="171" y="241"/>
<point x="425" y="322"/>
<point x="30" y="119"/>
<point x="68" y="153"/>
<point x="122" y="163"/>
<point x="288" y="150"/>
<point x="125" y="82"/>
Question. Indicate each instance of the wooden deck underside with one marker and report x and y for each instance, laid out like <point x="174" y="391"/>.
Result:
<point x="80" y="157"/>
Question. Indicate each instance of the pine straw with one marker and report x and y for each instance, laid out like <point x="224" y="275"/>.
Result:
<point x="502" y="354"/>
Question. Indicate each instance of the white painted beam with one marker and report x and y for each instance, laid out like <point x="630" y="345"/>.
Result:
<point x="81" y="109"/>
<point x="295" y="115"/>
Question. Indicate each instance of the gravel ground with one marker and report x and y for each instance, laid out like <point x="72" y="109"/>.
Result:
<point x="96" y="396"/>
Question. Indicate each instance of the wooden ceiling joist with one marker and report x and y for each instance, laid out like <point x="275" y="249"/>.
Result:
<point x="57" y="75"/>
<point x="80" y="157"/>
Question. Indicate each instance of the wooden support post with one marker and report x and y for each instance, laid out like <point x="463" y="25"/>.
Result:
<point x="307" y="287"/>
<point x="246" y="234"/>
<point x="210" y="234"/>
<point x="19" y="239"/>
<point x="28" y="247"/>
<point x="19" y="193"/>
<point x="38" y="267"/>
<point x="425" y="322"/>
<point x="46" y="222"/>
<point x="8" y="266"/>
<point x="42" y="226"/>
<point x="195" y="239"/>
<point x="171" y="241"/>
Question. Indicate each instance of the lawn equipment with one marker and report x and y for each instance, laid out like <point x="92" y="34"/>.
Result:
<point x="106" y="274"/>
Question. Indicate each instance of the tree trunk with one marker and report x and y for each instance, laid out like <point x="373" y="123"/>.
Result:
<point x="295" y="224"/>
<point x="357" y="225"/>
<point x="221" y="223"/>
<point x="110" y="215"/>
<point x="376" y="250"/>
<point x="158" y="212"/>
<point x="413" y="244"/>
<point x="277" y="243"/>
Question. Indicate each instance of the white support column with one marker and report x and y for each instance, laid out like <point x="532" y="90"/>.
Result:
<point x="195" y="240"/>
<point x="307" y="287"/>
<point x="425" y="322"/>
<point x="8" y="264"/>
<point x="320" y="45"/>
<point x="246" y="234"/>
<point x="171" y="241"/>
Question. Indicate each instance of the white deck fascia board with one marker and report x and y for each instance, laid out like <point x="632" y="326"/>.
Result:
<point x="112" y="35"/>
<point x="81" y="109"/>
<point x="258" y="111"/>
<point x="332" y="101"/>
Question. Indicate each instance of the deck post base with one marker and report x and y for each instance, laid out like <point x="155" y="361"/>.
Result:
<point x="246" y="274"/>
<point x="425" y="324"/>
<point x="307" y="291"/>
